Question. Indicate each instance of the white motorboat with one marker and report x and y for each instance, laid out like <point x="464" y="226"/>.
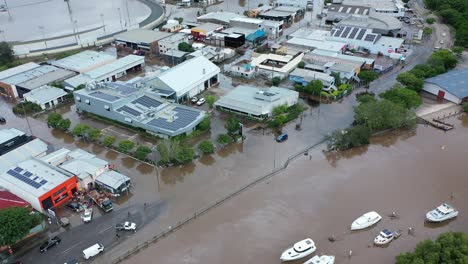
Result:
<point x="300" y="250"/>
<point x="366" y="220"/>
<point x="384" y="237"/>
<point x="324" y="259"/>
<point x="442" y="213"/>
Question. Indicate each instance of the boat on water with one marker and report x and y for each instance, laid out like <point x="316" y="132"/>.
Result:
<point x="441" y="213"/>
<point x="299" y="250"/>
<point x="324" y="259"/>
<point x="366" y="220"/>
<point x="384" y="237"/>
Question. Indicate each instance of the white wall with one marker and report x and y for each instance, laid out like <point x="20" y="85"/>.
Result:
<point x="434" y="89"/>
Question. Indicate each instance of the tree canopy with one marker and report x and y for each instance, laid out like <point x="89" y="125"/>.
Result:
<point x="368" y="76"/>
<point x="232" y="125"/>
<point x="449" y="247"/>
<point x="184" y="46"/>
<point x="411" y="81"/>
<point x="108" y="141"/>
<point x="6" y="53"/>
<point x="81" y="130"/>
<point x="206" y="147"/>
<point x="185" y="155"/>
<point x="210" y="100"/>
<point x="142" y="152"/>
<point x="402" y="96"/>
<point x="125" y="146"/>
<point x="15" y="223"/>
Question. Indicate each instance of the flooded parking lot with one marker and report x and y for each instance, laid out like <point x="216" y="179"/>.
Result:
<point x="407" y="172"/>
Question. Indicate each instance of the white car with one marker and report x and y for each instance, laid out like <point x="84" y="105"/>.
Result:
<point x="87" y="215"/>
<point x="127" y="226"/>
<point x="194" y="100"/>
<point x="201" y="101"/>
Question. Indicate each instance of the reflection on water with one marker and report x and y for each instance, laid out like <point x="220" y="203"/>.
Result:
<point x="82" y="144"/>
<point x="334" y="156"/>
<point x="122" y="199"/>
<point x="231" y="149"/>
<point x="176" y="174"/>
<point x="97" y="149"/>
<point x="144" y="168"/>
<point x="207" y="160"/>
<point x="464" y="119"/>
<point x="438" y="225"/>
<point x="388" y="139"/>
<point x="128" y="162"/>
<point x="111" y="155"/>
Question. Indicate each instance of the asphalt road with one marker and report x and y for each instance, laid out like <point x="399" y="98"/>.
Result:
<point x="100" y="230"/>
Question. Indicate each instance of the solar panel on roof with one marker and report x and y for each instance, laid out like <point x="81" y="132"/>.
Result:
<point x="182" y="118"/>
<point x="43" y="182"/>
<point x="27" y="174"/>
<point x="18" y="169"/>
<point x="24" y="179"/>
<point x="338" y="32"/>
<point x="370" y="37"/>
<point x="147" y="101"/>
<point x="104" y="96"/>
<point x="361" y="34"/>
<point x="346" y="32"/>
<point x="129" y="110"/>
<point x="353" y="33"/>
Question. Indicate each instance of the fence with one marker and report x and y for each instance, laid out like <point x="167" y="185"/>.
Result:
<point x="202" y="211"/>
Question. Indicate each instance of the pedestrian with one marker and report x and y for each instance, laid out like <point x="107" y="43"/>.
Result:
<point x="128" y="213"/>
<point x="117" y="235"/>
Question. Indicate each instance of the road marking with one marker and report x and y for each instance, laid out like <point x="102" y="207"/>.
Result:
<point x="68" y="249"/>
<point x="104" y="230"/>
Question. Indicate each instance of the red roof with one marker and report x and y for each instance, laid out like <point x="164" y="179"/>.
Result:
<point x="7" y="200"/>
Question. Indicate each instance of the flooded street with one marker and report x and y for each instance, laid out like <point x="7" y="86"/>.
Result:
<point x="408" y="172"/>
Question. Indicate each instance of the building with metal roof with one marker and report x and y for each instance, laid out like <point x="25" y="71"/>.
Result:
<point x="275" y="65"/>
<point x="109" y="72"/>
<point x="172" y="42"/>
<point x="17" y="82"/>
<point x="451" y="86"/>
<point x="395" y="8"/>
<point x="7" y="200"/>
<point x="34" y="148"/>
<point x="295" y="3"/>
<point x="40" y="184"/>
<point x="256" y="102"/>
<point x="46" y="96"/>
<point x="84" y="61"/>
<point x="379" y="23"/>
<point x="144" y="39"/>
<point x="199" y="74"/>
<point x="304" y="76"/>
<point x="142" y="107"/>
<point x="114" y="182"/>
<point x="221" y="18"/>
<point x="11" y="139"/>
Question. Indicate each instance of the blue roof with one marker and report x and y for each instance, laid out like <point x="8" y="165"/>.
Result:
<point x="454" y="82"/>
<point x="257" y="34"/>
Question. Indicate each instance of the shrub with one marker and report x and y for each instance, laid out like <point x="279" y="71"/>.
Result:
<point x="185" y="155"/>
<point x="64" y="124"/>
<point x="430" y="20"/>
<point x="168" y="150"/>
<point x="184" y="46"/>
<point x="368" y="76"/>
<point x="80" y="130"/>
<point x="232" y="125"/>
<point x="53" y="119"/>
<point x="109" y="141"/>
<point x="224" y="139"/>
<point x="142" y="152"/>
<point x="301" y="65"/>
<point x="365" y="98"/>
<point x="348" y="138"/>
<point x="465" y="107"/>
<point x="26" y="107"/>
<point x="94" y="134"/>
<point x="210" y="100"/>
<point x="205" y="124"/>
<point x="275" y="81"/>
<point x="403" y="96"/>
<point x="411" y="81"/>
<point x="206" y="147"/>
<point x="125" y="146"/>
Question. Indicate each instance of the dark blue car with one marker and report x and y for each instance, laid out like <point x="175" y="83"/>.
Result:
<point x="282" y="137"/>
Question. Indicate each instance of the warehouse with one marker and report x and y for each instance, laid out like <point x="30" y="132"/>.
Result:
<point x="205" y="30"/>
<point x="34" y="148"/>
<point x="450" y="86"/>
<point x="274" y="65"/>
<point x="38" y="183"/>
<point x="46" y="96"/>
<point x="84" y="61"/>
<point x="20" y="80"/>
<point x="221" y="18"/>
<point x="172" y="42"/>
<point x="304" y="76"/>
<point x="141" y="39"/>
<point x="255" y="102"/>
<point x="11" y="139"/>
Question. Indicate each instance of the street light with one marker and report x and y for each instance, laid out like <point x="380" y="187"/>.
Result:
<point x="155" y="166"/>
<point x="75" y="23"/>
<point x="103" y="24"/>
<point x="41" y="28"/>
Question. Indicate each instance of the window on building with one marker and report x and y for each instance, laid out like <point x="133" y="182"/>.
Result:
<point x="87" y="102"/>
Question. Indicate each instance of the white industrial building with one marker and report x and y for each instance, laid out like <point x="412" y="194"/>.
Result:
<point x="275" y="65"/>
<point x="304" y="76"/>
<point x="313" y="39"/>
<point x="295" y="3"/>
<point x="395" y="8"/>
<point x="45" y="96"/>
<point x="221" y="18"/>
<point x="34" y="148"/>
<point x="187" y="79"/>
<point x="172" y="42"/>
<point x="255" y="102"/>
<point x="108" y="72"/>
<point x="84" y="61"/>
<point x="451" y="86"/>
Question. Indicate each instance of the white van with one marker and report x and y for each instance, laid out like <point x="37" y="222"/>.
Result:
<point x="93" y="251"/>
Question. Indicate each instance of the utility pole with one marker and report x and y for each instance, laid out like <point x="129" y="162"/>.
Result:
<point x="128" y="13"/>
<point x="103" y="24"/>
<point x="27" y="120"/>
<point x="41" y="28"/>
<point x="156" y="167"/>
<point x="8" y="9"/>
<point x="120" y="19"/>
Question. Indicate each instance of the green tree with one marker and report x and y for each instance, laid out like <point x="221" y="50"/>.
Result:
<point x="210" y="99"/>
<point x="184" y="46"/>
<point x="458" y="51"/>
<point x="15" y="223"/>
<point x="465" y="107"/>
<point x="125" y="146"/>
<point x="224" y="139"/>
<point x="275" y="81"/>
<point x="314" y="87"/>
<point x="411" y="81"/>
<point x="142" y="152"/>
<point x="6" y="53"/>
<point x="80" y="130"/>
<point x="64" y="124"/>
<point x="337" y="77"/>
<point x="443" y="58"/>
<point x="423" y="71"/>
<point x="403" y="96"/>
<point x="205" y="124"/>
<point x="365" y="98"/>
<point x="206" y="147"/>
<point x="168" y="150"/>
<point x="232" y="125"/>
<point x="53" y="119"/>
<point x="368" y="76"/>
<point x="94" y="134"/>
<point x="354" y="136"/>
<point x="79" y="87"/>
<point x="430" y="20"/>
<point x="109" y="141"/>
<point x="384" y="114"/>
<point x="301" y="65"/>
<point x="427" y="31"/>
<point x="185" y="155"/>
<point x="451" y="247"/>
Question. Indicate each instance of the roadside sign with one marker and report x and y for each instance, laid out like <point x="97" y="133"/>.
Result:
<point x="51" y="212"/>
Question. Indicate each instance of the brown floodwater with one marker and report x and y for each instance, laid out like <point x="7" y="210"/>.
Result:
<point x="319" y="195"/>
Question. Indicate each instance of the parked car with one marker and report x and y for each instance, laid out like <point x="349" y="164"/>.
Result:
<point x="282" y="137"/>
<point x="74" y="206"/>
<point x="194" y="100"/>
<point x="93" y="251"/>
<point x="50" y="243"/>
<point x="2" y="120"/>
<point x="87" y="215"/>
<point x="127" y="226"/>
<point x="201" y="101"/>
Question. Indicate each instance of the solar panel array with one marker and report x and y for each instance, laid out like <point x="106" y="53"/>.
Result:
<point x="104" y="96"/>
<point x="346" y="32"/>
<point x="16" y="172"/>
<point x="129" y="110"/>
<point x="338" y="32"/>
<point x="361" y="34"/>
<point x="353" y="33"/>
<point x="370" y="37"/>
<point x="183" y="118"/>
<point x="147" y="101"/>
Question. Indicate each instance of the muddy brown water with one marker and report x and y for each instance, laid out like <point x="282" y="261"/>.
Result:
<point x="407" y="172"/>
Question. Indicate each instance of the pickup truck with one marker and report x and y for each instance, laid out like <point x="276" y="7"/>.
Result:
<point x="127" y="226"/>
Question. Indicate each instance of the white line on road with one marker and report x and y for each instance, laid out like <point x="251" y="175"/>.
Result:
<point x="68" y="249"/>
<point x="104" y="230"/>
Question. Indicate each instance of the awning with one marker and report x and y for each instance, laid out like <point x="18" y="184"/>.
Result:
<point x="256" y="35"/>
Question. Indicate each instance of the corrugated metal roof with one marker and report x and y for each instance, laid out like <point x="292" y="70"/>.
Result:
<point x="454" y="82"/>
<point x="44" y="94"/>
<point x="112" y="179"/>
<point x="115" y="66"/>
<point x="140" y="35"/>
<point x="18" y="69"/>
<point x="84" y="61"/>
<point x="31" y="149"/>
<point x="7" y="134"/>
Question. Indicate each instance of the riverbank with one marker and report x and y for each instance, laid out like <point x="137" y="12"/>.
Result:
<point x="406" y="172"/>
